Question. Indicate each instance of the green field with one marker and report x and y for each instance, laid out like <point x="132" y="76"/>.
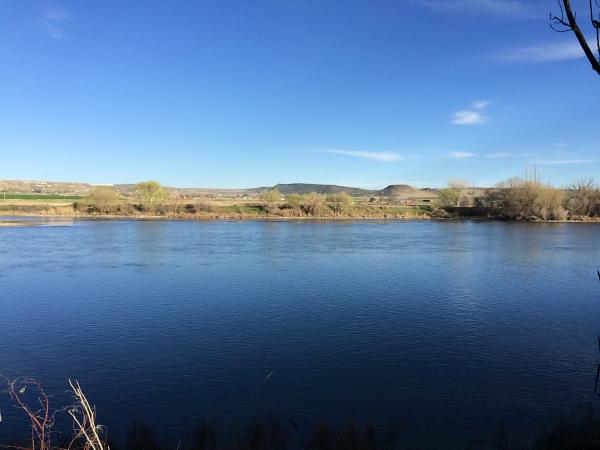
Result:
<point x="9" y="196"/>
<point x="240" y="209"/>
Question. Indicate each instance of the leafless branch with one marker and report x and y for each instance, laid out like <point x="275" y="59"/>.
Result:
<point x="562" y="24"/>
<point x="87" y="431"/>
<point x="28" y="393"/>
<point x="40" y="417"/>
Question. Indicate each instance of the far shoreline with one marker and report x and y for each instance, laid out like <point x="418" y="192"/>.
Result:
<point x="6" y="222"/>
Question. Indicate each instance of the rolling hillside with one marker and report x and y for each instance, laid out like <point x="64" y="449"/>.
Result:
<point x="398" y="191"/>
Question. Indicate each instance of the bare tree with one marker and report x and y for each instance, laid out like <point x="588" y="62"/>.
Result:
<point x="454" y="194"/>
<point x="583" y="198"/>
<point x="570" y="23"/>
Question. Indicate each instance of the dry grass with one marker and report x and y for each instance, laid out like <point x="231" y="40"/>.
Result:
<point x="87" y="431"/>
<point x="29" y="396"/>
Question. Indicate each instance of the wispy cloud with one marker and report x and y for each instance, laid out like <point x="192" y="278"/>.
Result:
<point x="467" y="117"/>
<point x="498" y="155"/>
<point x="471" y="116"/>
<point x="461" y="155"/>
<point x="480" y="104"/>
<point x="52" y="22"/>
<point x="376" y="156"/>
<point x="543" y="53"/>
<point x="507" y="9"/>
<point x="565" y="162"/>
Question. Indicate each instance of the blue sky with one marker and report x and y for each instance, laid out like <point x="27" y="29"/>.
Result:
<point x="242" y="93"/>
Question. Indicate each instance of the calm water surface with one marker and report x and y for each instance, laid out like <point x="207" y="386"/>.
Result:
<point x="447" y="329"/>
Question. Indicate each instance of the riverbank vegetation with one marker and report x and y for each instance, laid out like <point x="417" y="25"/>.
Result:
<point x="523" y="199"/>
<point x="76" y="427"/>
<point x="515" y="199"/>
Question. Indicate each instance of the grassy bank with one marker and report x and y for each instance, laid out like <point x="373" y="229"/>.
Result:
<point x="44" y="197"/>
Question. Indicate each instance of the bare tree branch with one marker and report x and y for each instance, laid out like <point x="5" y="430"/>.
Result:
<point x="570" y="24"/>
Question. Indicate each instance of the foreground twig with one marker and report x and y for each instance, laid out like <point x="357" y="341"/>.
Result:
<point x="88" y="432"/>
<point x="40" y="417"/>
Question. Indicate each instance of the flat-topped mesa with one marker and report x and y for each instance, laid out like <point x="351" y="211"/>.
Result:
<point x="306" y="188"/>
<point x="396" y="191"/>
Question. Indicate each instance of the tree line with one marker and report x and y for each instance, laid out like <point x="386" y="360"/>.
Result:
<point x="513" y="199"/>
<point x="312" y="204"/>
<point x="147" y="195"/>
<point x="150" y="196"/>
<point x="524" y="199"/>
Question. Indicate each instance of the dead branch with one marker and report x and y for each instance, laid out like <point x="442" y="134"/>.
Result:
<point x="562" y="25"/>
<point x="87" y="431"/>
<point x="40" y="417"/>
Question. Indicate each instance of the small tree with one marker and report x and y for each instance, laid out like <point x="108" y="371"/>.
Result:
<point x="550" y="204"/>
<point x="313" y="203"/>
<point x="294" y="201"/>
<point x="518" y="199"/>
<point x="583" y="198"/>
<point x="270" y="198"/>
<point x="447" y="197"/>
<point x="103" y="198"/>
<point x="340" y="202"/>
<point x="454" y="194"/>
<point x="149" y="193"/>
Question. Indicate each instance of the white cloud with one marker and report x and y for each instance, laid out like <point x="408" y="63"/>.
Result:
<point x="544" y="53"/>
<point x="499" y="155"/>
<point x="467" y="117"/>
<point x="480" y="104"/>
<point x="376" y="156"/>
<point x="52" y="22"/>
<point x="471" y="116"/>
<point x="57" y="14"/>
<point x="461" y="155"/>
<point x="565" y="162"/>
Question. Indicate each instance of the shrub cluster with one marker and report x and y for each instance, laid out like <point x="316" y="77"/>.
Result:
<point x="312" y="204"/>
<point x="520" y="199"/>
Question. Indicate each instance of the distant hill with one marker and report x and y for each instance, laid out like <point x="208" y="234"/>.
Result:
<point x="304" y="188"/>
<point x="44" y="187"/>
<point x="129" y="190"/>
<point x="83" y="189"/>
<point x="404" y="191"/>
<point x="397" y="191"/>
